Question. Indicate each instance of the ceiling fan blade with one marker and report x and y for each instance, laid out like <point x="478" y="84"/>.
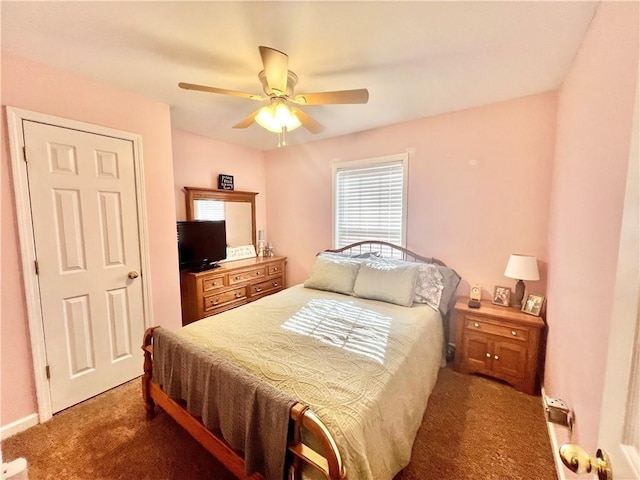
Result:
<point x="342" y="96"/>
<point x="247" y="121"/>
<point x="224" y="91"/>
<point x="276" y="69"/>
<point x="307" y="122"/>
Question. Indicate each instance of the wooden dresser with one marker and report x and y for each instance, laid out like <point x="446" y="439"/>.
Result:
<point x="501" y="342"/>
<point x="232" y="284"/>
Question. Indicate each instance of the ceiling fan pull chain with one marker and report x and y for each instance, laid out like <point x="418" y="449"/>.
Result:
<point x="282" y="141"/>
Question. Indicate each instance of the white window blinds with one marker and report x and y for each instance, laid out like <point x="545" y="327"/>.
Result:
<point x="209" y="209"/>
<point x="370" y="200"/>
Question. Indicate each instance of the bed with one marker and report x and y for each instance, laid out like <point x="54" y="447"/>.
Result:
<point x="337" y="371"/>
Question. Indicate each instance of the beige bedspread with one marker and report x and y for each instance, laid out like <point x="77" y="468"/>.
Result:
<point x="365" y="367"/>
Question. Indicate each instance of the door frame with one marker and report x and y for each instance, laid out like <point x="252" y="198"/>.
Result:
<point x="15" y="118"/>
<point x="624" y="335"/>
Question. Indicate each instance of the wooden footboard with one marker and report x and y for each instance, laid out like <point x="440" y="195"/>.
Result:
<point x="327" y="460"/>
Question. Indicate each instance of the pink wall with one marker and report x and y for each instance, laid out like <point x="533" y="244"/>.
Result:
<point x="595" y="107"/>
<point x="197" y="161"/>
<point x="470" y="216"/>
<point x="39" y="88"/>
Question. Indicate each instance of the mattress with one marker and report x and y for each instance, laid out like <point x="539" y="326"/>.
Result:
<point x="365" y="367"/>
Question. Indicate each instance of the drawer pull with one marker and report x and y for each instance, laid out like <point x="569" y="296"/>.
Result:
<point x="215" y="302"/>
<point x="477" y="325"/>
<point x="488" y="355"/>
<point x="238" y="295"/>
<point x="258" y="289"/>
<point x="514" y="333"/>
<point x="238" y="277"/>
<point x="258" y="274"/>
<point x="496" y="357"/>
<point x="275" y="284"/>
<point x="275" y="269"/>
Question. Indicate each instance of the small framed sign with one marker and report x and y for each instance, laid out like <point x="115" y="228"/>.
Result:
<point x="225" y="182"/>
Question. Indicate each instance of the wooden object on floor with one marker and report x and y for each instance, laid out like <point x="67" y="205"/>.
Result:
<point x="325" y="457"/>
<point x="501" y="342"/>
<point x="232" y="284"/>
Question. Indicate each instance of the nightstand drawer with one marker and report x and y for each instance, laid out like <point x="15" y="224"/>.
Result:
<point x="247" y="275"/>
<point x="222" y="298"/>
<point x="212" y="283"/>
<point x="481" y="325"/>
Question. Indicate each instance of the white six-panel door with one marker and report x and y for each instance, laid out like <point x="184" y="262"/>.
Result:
<point x="82" y="192"/>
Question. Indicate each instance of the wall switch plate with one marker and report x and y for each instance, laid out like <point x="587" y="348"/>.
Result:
<point x="558" y="412"/>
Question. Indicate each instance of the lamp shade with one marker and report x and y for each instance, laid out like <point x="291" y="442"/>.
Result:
<point x="277" y="116"/>
<point x="522" y="267"/>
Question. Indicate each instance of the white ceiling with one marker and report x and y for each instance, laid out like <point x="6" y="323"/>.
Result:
<point x="417" y="59"/>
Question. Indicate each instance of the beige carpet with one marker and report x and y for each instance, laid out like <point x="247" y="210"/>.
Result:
<point x="474" y="428"/>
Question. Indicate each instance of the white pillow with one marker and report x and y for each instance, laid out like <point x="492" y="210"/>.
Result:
<point x="430" y="283"/>
<point x="333" y="274"/>
<point x="389" y="283"/>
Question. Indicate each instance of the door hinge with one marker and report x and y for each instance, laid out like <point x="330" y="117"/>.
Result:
<point x="35" y="263"/>
<point x="48" y="372"/>
<point x="24" y="154"/>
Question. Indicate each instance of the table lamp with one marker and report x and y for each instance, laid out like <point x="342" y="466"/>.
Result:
<point x="521" y="267"/>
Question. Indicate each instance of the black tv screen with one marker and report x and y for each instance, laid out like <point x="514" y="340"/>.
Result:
<point x="201" y="244"/>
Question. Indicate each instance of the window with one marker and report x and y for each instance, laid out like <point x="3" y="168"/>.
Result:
<point x="370" y="200"/>
<point x="209" y="209"/>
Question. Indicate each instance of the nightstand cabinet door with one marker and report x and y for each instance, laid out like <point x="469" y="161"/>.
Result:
<point x="500" y="342"/>
<point x="478" y="357"/>
<point x="509" y="360"/>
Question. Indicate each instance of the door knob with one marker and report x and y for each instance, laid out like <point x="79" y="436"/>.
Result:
<point x="133" y="274"/>
<point x="576" y="459"/>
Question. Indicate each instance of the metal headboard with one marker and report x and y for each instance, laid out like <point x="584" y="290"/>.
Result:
<point x="385" y="249"/>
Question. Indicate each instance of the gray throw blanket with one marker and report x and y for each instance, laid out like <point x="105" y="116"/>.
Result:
<point x="252" y="415"/>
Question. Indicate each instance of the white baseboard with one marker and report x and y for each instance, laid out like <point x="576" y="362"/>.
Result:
<point x="19" y="425"/>
<point x="560" y="469"/>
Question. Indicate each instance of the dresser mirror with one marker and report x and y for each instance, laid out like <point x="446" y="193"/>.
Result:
<point x="238" y="209"/>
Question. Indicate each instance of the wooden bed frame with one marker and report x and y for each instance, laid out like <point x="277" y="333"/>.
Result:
<point x="327" y="460"/>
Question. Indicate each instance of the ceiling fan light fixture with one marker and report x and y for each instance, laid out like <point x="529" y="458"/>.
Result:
<point x="277" y="117"/>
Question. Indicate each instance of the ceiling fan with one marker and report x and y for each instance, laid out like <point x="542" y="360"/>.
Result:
<point x="278" y="83"/>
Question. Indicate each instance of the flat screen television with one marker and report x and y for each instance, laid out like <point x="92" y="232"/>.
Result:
<point x="201" y="244"/>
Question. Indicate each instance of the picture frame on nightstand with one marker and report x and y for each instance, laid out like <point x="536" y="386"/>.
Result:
<point x="533" y="305"/>
<point x="501" y="296"/>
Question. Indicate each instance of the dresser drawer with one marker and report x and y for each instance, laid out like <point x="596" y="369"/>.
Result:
<point x="247" y="275"/>
<point x="266" y="286"/>
<point x="212" y="283"/>
<point x="481" y="325"/>
<point x="214" y="301"/>
<point x="274" y="269"/>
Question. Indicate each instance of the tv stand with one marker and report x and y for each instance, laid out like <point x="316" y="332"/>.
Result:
<point x="232" y="284"/>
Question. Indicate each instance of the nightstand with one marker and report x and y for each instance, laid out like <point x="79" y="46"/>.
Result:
<point x="500" y="342"/>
